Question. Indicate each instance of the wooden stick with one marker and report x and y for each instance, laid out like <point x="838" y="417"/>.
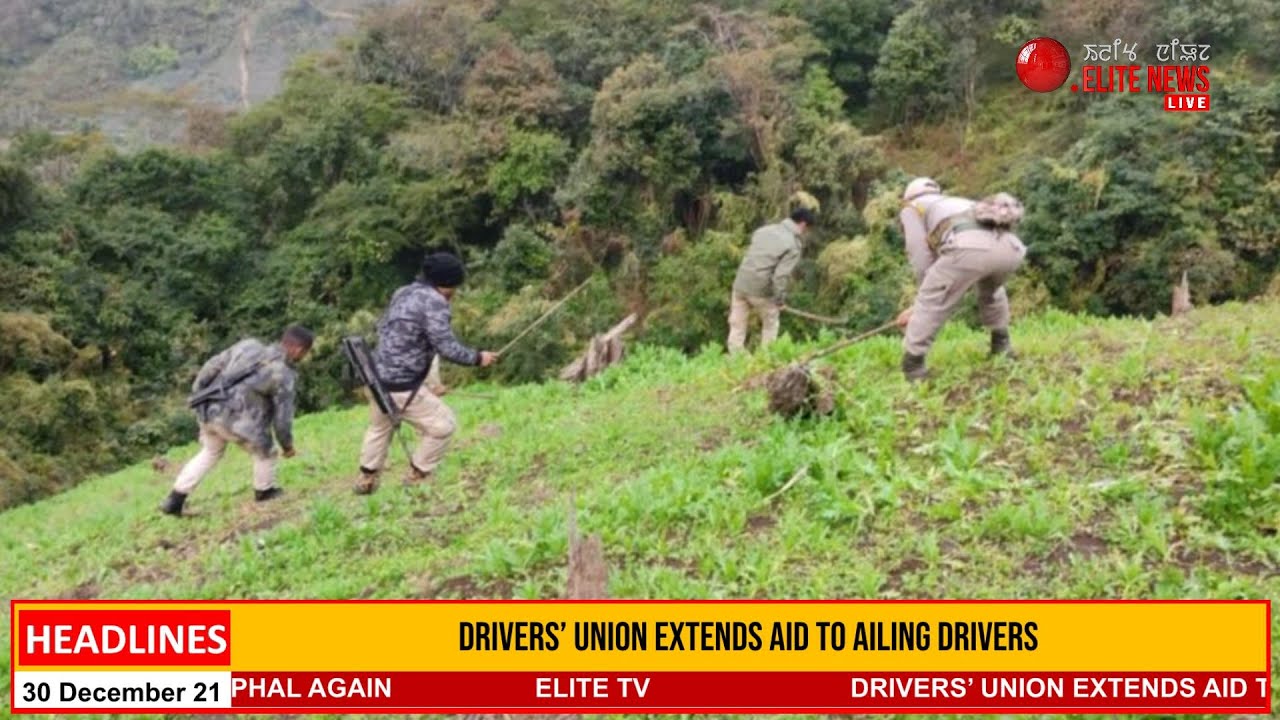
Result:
<point x="794" y="479"/>
<point x="816" y="318"/>
<point x="545" y="315"/>
<point x="846" y="343"/>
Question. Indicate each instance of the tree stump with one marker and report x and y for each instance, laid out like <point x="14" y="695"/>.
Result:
<point x="1181" y="298"/>
<point x="588" y="573"/>
<point x="604" y="350"/>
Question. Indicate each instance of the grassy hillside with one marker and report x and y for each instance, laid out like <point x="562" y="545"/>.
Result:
<point x="1115" y="458"/>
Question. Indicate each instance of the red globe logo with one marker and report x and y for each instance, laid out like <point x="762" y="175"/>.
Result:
<point x="1043" y="64"/>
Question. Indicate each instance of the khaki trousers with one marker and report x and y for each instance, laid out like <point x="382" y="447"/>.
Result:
<point x="740" y="308"/>
<point x="433" y="420"/>
<point x="976" y="258"/>
<point x="213" y="445"/>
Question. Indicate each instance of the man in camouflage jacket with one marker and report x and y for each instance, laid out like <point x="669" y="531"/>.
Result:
<point x="415" y="328"/>
<point x="241" y="396"/>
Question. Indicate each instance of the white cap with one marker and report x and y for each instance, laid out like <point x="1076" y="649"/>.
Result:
<point x="921" y="186"/>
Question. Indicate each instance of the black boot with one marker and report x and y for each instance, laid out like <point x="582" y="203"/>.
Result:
<point x="172" y="505"/>
<point x="1000" y="343"/>
<point x="269" y="493"/>
<point x="913" y="367"/>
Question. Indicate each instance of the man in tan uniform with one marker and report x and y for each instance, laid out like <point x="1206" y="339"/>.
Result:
<point x="951" y="252"/>
<point x="761" y="283"/>
<point x="416" y="329"/>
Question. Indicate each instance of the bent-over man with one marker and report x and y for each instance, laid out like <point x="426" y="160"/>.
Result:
<point x="950" y="252"/>
<point x="241" y="396"/>
<point x="763" y="275"/>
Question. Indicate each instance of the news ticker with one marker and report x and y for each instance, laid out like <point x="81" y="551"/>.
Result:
<point x="641" y="656"/>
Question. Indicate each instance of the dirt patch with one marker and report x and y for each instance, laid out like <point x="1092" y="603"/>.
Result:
<point x="1182" y="486"/>
<point x="537" y="494"/>
<point x="959" y="395"/>
<point x="760" y="523"/>
<point x="1072" y="425"/>
<point x="466" y="587"/>
<point x="678" y="564"/>
<point x="713" y="439"/>
<point x="1082" y="544"/>
<point x="261" y="524"/>
<point x="535" y="469"/>
<point x="432" y="510"/>
<point x="1140" y="396"/>
<point x="87" y="590"/>
<point x="143" y="574"/>
<point x="1189" y="559"/>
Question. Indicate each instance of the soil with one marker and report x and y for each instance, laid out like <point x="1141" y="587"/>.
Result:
<point x="760" y="523"/>
<point x="793" y="391"/>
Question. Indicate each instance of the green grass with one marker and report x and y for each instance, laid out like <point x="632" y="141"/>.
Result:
<point x="1114" y="458"/>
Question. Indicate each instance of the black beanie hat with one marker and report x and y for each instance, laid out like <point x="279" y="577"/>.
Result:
<point x="443" y="269"/>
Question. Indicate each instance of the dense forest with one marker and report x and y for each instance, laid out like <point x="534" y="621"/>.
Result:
<point x="634" y="142"/>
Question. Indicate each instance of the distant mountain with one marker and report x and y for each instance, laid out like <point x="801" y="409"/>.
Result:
<point x="132" y="68"/>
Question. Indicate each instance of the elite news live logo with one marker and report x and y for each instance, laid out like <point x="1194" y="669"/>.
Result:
<point x="1182" y="75"/>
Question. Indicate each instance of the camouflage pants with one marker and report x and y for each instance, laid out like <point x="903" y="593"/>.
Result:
<point x="433" y="420"/>
<point x="740" y="307"/>
<point x="213" y="445"/>
<point x="975" y="258"/>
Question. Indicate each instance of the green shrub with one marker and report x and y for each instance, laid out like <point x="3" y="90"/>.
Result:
<point x="144" y="61"/>
<point x="1242" y="457"/>
<point x="521" y="257"/>
<point x="689" y="293"/>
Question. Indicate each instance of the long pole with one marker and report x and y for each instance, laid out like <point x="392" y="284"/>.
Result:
<point x="811" y="316"/>
<point x="545" y="315"/>
<point x="846" y="343"/>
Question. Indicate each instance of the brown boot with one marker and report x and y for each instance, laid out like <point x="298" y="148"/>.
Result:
<point x="416" y="477"/>
<point x="366" y="483"/>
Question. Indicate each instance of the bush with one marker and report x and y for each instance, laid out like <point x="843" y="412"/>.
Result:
<point x="521" y="257"/>
<point x="144" y="61"/>
<point x="689" y="293"/>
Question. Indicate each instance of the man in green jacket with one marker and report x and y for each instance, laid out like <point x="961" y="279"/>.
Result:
<point x="761" y="284"/>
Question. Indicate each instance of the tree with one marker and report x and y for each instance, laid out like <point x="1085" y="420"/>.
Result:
<point x="912" y="78"/>
<point x="425" y="49"/>
<point x="853" y="32"/>
<point x="509" y="83"/>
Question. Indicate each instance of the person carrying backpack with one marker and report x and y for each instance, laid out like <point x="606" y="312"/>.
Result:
<point x="954" y="244"/>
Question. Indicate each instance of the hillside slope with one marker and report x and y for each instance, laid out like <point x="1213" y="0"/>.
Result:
<point x="133" y="68"/>
<point x="1115" y="458"/>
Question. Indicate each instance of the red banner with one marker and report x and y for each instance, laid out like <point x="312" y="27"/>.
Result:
<point x="749" y="692"/>
<point x="124" y="637"/>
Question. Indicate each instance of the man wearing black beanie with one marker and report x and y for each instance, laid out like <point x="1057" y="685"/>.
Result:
<point x="416" y="326"/>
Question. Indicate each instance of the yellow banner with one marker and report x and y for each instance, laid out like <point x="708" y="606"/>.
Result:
<point x="728" y="636"/>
